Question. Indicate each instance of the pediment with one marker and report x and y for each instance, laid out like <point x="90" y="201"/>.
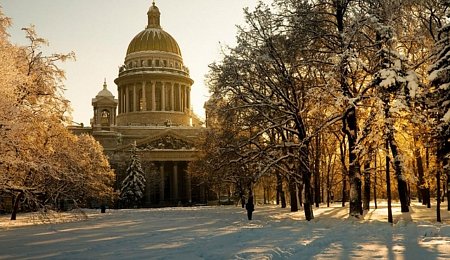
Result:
<point x="166" y="140"/>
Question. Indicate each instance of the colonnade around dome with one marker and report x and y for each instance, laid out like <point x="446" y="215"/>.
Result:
<point x="154" y="96"/>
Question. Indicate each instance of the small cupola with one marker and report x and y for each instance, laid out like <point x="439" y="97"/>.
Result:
<point x="153" y="17"/>
<point x="105" y="109"/>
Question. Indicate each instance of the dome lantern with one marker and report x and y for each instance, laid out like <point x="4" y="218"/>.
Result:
<point x="154" y="16"/>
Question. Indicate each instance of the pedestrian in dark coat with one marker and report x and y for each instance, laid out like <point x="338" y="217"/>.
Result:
<point x="250" y="207"/>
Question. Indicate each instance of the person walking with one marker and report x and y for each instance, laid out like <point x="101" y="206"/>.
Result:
<point x="250" y="207"/>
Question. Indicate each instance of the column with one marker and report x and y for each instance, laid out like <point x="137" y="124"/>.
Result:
<point x="182" y="98"/>
<point x="161" y="183"/>
<point x="188" y="186"/>
<point x="144" y="99"/>
<point x="124" y="94"/>
<point x="172" y="98"/>
<point x="95" y="116"/>
<point x="153" y="97"/>
<point x="122" y="100"/>
<point x="119" y="91"/>
<point x="126" y="100"/>
<point x="134" y="98"/>
<point x="114" y="116"/>
<point x="175" y="182"/>
<point x="163" y="97"/>
<point x="179" y="98"/>
<point x="188" y="97"/>
<point x="112" y="112"/>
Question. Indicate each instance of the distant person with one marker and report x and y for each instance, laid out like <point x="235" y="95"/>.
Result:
<point x="250" y="207"/>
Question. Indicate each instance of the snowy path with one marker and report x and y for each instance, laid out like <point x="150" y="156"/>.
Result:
<point x="224" y="233"/>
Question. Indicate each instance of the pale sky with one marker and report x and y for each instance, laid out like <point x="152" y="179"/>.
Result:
<point x="99" y="31"/>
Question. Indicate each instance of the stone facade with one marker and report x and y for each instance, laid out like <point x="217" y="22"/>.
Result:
<point x="152" y="111"/>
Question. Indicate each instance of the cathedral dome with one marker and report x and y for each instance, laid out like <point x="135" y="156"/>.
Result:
<point x="153" y="38"/>
<point x="154" y="85"/>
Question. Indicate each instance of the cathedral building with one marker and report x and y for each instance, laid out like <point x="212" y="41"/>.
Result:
<point x="153" y="112"/>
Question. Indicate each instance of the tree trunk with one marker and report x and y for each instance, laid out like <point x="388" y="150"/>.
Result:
<point x="283" y="199"/>
<point x="317" y="172"/>
<point x="241" y="194"/>
<point x="354" y="175"/>
<point x="427" y="188"/>
<point x="420" y="174"/>
<point x="280" y="192"/>
<point x="343" y="171"/>
<point x="366" y="202"/>
<point x="306" y="178"/>
<point x="264" y="195"/>
<point x="277" y="199"/>
<point x="388" y="184"/>
<point x="328" y="189"/>
<point x="16" y="205"/>
<point x="344" y="189"/>
<point x="300" y="195"/>
<point x="401" y="181"/>
<point x="438" y="195"/>
<point x="448" y="190"/>
<point x="322" y="188"/>
<point x="375" y="183"/>
<point x="293" y="194"/>
<point x="350" y="127"/>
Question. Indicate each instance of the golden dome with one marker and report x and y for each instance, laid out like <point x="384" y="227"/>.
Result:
<point x="153" y="38"/>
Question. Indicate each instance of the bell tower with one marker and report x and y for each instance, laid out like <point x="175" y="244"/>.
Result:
<point x="105" y="106"/>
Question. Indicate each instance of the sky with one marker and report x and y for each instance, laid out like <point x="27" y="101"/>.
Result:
<point x="99" y="31"/>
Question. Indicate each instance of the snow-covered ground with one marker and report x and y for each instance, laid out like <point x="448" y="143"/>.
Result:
<point x="225" y="233"/>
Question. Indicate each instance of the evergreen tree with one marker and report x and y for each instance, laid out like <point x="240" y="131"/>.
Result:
<point x="133" y="185"/>
<point x="439" y="79"/>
